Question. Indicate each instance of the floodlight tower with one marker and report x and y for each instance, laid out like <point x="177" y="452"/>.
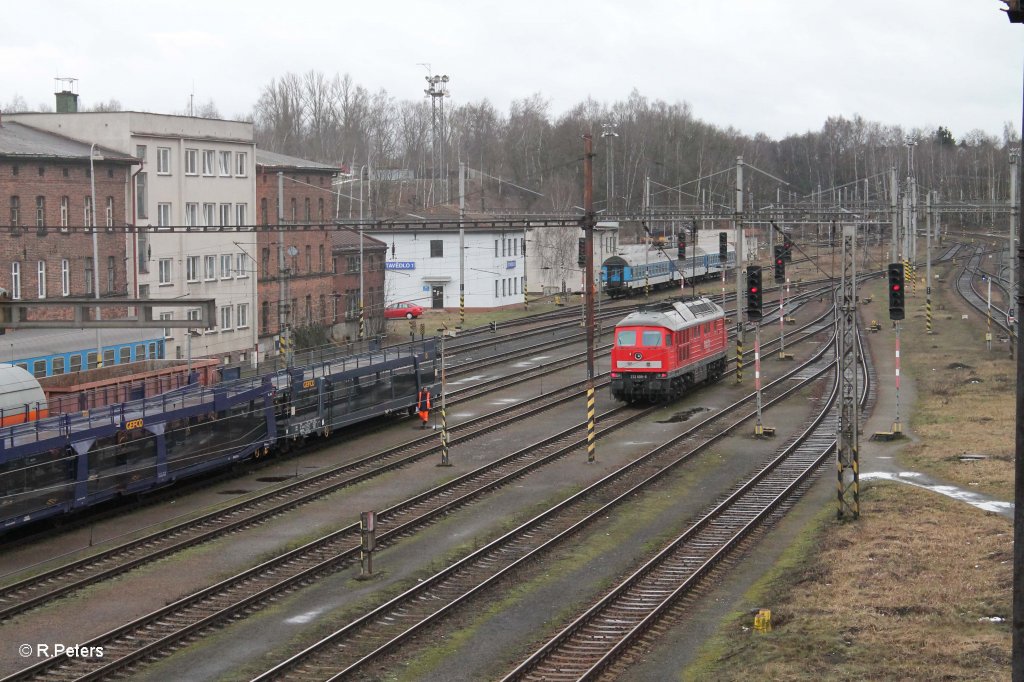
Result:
<point x="609" y="134"/>
<point x="437" y="90"/>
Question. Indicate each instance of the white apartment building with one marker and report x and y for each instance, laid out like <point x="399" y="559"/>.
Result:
<point x="422" y="266"/>
<point x="198" y="173"/>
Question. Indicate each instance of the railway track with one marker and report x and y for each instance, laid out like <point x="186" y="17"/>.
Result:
<point x="167" y="628"/>
<point x="598" y="641"/>
<point x="64" y="580"/>
<point x="364" y="641"/>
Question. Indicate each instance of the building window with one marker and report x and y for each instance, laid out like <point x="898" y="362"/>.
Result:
<point x="163" y="160"/>
<point x="40" y="211"/>
<point x="309" y="309"/>
<point x="110" y="211"/>
<point x="265" y="317"/>
<point x="225" y="164"/>
<point x="265" y="263"/>
<point x="209" y="161"/>
<point x="65" y="277"/>
<point x="141" y="196"/>
<point x="436" y="248"/>
<point x="210" y="268"/>
<point x="15" y="211"/>
<point x="225" y="318"/>
<point x="167" y="330"/>
<point x="111" y="272"/>
<point x="225" y="214"/>
<point x="295" y="209"/>
<point x="210" y="214"/>
<point x="495" y="248"/>
<point x="165" y="271"/>
<point x="41" y="279"/>
<point x="309" y="214"/>
<point x="239" y="214"/>
<point x="140" y="152"/>
<point x="241" y="166"/>
<point x="163" y="215"/>
<point x="309" y="259"/>
<point x="503" y="287"/>
<point x="191" y="162"/>
<point x="225" y="266"/>
<point x="495" y="288"/>
<point x="88" y="212"/>
<point x="15" y="169"/>
<point x="15" y="280"/>
<point x="191" y="214"/>
<point x="523" y="246"/>
<point x="242" y="315"/>
<point x="320" y="209"/>
<point x="240" y="270"/>
<point x="65" y="203"/>
<point x="263" y="211"/>
<point x="321" y="258"/>
<point x="88" y="276"/>
<point x="192" y="269"/>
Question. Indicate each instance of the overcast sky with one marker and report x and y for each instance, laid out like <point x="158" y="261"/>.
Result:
<point x="772" y="66"/>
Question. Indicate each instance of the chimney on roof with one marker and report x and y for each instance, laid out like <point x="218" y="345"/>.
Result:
<point x="66" y="90"/>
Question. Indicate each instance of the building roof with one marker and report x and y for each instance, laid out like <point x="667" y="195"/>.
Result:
<point x="345" y="239"/>
<point x="22" y="141"/>
<point x="274" y="160"/>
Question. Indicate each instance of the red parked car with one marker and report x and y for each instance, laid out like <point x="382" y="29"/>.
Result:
<point x="397" y="311"/>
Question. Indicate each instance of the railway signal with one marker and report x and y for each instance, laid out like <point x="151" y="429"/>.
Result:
<point x="682" y="246"/>
<point x="723" y="247"/>
<point x="754" y="301"/>
<point x="582" y="260"/>
<point x="780" y="264"/>
<point x="896" y="286"/>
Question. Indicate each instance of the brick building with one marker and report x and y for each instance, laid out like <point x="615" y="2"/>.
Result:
<point x="346" y="284"/>
<point x="198" y="174"/>
<point x="45" y="202"/>
<point x="305" y="285"/>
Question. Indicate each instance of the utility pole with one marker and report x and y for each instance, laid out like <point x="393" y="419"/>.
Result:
<point x="928" y="264"/>
<point x="1014" y="215"/>
<point x="588" y="279"/>
<point x="609" y="134"/>
<point x="847" y="441"/>
<point x="740" y="266"/>
<point x="282" y="285"/>
<point x="1015" y="13"/>
<point x="894" y="208"/>
<point x="462" y="244"/>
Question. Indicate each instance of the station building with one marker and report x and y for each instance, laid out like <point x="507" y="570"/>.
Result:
<point x="423" y="265"/>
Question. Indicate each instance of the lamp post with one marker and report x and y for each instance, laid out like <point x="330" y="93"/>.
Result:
<point x="95" y="251"/>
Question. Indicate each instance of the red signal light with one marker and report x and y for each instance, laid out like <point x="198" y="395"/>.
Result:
<point x="895" y="287"/>
<point x="753" y="290"/>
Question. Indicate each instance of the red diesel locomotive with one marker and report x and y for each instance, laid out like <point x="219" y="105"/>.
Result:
<point x="660" y="352"/>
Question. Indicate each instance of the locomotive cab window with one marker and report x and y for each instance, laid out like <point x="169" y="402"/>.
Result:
<point x="651" y="339"/>
<point x="627" y="337"/>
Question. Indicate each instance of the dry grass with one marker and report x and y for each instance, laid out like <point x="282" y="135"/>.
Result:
<point x="964" y="395"/>
<point x="905" y="592"/>
<point x="889" y="597"/>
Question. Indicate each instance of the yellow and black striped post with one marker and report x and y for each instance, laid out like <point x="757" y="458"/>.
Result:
<point x="739" y="360"/>
<point x="362" y="322"/>
<point x="591" y="433"/>
<point x="462" y="309"/>
<point x="928" y="312"/>
<point x="412" y="328"/>
<point x="444" y="437"/>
